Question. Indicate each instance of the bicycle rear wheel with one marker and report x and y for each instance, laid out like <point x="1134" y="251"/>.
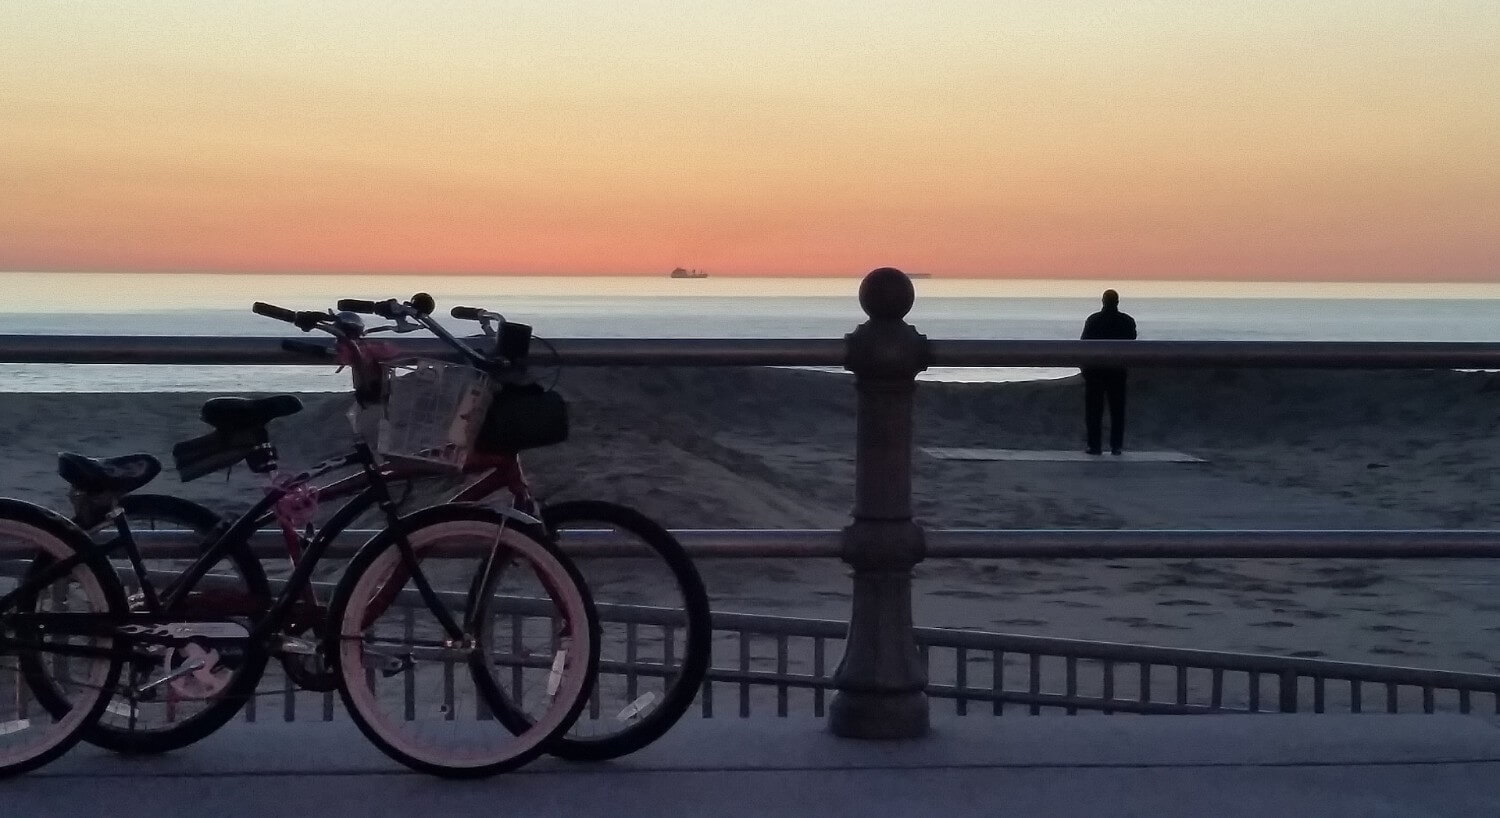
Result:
<point x="188" y="709"/>
<point x="655" y="623"/>
<point x="428" y="698"/>
<point x="74" y="659"/>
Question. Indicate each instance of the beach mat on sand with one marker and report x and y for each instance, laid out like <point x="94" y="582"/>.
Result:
<point x="1058" y="455"/>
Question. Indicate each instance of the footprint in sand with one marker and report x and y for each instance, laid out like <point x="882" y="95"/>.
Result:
<point x="961" y="593"/>
<point x="1144" y="623"/>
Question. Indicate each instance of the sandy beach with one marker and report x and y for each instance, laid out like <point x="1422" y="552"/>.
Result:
<point x="770" y="448"/>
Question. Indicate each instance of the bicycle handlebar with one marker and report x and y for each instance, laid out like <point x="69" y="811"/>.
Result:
<point x="418" y="309"/>
<point x="420" y="305"/>
<point x="273" y="311"/>
<point x="305" y="320"/>
<point x="358" y="305"/>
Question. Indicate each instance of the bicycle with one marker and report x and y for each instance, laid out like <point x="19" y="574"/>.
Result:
<point x="218" y="656"/>
<point x="640" y="700"/>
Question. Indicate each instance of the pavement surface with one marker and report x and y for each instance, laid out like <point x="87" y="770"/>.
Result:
<point x="1060" y="456"/>
<point x="1270" y="765"/>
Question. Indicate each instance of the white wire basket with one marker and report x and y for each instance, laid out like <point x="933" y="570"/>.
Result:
<point x="433" y="411"/>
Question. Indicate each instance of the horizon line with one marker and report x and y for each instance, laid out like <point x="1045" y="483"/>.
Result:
<point x="919" y="275"/>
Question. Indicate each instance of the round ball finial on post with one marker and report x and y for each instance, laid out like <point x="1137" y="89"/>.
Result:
<point x="886" y="293"/>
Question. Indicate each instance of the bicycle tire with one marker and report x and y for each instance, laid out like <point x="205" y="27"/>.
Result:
<point x="363" y="581"/>
<point x="697" y="653"/>
<point x="160" y="508"/>
<point x="57" y="538"/>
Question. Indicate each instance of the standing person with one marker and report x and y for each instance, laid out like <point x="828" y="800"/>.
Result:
<point x="1101" y="383"/>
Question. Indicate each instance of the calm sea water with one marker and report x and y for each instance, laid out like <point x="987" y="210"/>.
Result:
<point x="74" y="304"/>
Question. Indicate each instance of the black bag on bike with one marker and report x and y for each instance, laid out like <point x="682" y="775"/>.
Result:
<point x="219" y="450"/>
<point x="523" y="416"/>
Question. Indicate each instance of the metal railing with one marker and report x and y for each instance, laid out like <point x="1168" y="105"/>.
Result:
<point x="825" y="352"/>
<point x="987" y="543"/>
<point x="978" y="543"/>
<point x="985" y="673"/>
<point x="884" y="677"/>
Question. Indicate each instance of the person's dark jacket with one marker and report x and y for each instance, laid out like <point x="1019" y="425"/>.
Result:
<point x="1108" y="324"/>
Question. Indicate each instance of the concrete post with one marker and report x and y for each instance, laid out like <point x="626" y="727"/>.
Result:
<point x="881" y="679"/>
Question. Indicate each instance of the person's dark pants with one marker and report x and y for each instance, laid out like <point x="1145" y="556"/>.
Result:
<point x="1100" y="386"/>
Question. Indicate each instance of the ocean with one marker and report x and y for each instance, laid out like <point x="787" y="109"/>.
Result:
<point x="624" y="307"/>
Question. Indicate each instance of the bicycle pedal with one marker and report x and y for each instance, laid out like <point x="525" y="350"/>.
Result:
<point x="192" y="666"/>
<point x="398" y="665"/>
<point x="298" y="647"/>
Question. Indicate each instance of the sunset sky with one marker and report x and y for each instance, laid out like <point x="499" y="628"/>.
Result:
<point x="1354" y="140"/>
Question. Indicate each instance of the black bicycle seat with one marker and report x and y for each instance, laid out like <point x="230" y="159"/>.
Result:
<point x="230" y="414"/>
<point x="112" y="475"/>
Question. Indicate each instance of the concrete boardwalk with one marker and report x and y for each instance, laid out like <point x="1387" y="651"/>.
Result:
<point x="1292" y="765"/>
<point x="1058" y="456"/>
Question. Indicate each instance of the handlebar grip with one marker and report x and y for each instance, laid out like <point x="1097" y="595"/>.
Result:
<point x="306" y="320"/>
<point x="309" y="348"/>
<point x="466" y="313"/>
<point x="273" y="311"/>
<point x="363" y="305"/>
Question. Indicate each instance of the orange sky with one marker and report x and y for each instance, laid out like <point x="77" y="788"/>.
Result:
<point x="1347" y="141"/>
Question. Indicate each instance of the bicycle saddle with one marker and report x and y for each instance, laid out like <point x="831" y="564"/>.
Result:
<point x="113" y="475"/>
<point x="230" y="414"/>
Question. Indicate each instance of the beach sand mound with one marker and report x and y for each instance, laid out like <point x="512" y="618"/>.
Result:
<point x="773" y="448"/>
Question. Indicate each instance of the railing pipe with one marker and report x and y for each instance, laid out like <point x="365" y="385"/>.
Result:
<point x="212" y="350"/>
<point x="1227" y="354"/>
<point x="959" y="544"/>
<point x="826" y="352"/>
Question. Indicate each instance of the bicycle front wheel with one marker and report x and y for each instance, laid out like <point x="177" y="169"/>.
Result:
<point x="37" y="627"/>
<point x="656" y="633"/>
<point x="428" y="697"/>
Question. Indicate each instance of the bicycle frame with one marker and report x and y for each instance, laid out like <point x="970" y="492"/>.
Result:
<point x="266" y="625"/>
<point x="497" y="472"/>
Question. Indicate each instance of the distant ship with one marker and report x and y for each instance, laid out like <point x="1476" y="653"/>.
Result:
<point x="681" y="273"/>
